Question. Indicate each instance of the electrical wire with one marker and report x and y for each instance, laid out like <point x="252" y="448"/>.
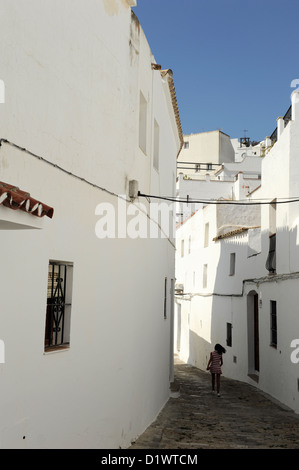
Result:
<point x="211" y="201"/>
<point x="69" y="173"/>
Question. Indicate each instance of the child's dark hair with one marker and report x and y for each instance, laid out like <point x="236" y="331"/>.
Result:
<point x="220" y="349"/>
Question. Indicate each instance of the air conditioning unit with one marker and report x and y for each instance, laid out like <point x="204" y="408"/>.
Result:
<point x="179" y="288"/>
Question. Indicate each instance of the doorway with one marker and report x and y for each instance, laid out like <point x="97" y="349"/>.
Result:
<point x="253" y="335"/>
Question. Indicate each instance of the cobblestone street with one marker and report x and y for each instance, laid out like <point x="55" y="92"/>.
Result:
<point x="241" y="418"/>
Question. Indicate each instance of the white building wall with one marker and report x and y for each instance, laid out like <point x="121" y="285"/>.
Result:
<point x="277" y="372"/>
<point x="232" y="181"/>
<point x="73" y="73"/>
<point x="213" y="147"/>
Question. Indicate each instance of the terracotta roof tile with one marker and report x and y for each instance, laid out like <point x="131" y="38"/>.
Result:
<point x="233" y="233"/>
<point x="13" y="198"/>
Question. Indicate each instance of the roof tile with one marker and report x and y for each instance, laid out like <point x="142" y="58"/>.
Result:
<point x="13" y="198"/>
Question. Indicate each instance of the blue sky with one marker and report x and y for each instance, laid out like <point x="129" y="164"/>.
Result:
<point x="233" y="60"/>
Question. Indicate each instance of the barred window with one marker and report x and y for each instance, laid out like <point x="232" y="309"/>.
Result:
<point x="58" y="314"/>
<point x="229" y="337"/>
<point x="273" y="323"/>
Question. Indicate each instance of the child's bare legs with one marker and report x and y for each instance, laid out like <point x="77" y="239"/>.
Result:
<point x="213" y="382"/>
<point x="218" y="383"/>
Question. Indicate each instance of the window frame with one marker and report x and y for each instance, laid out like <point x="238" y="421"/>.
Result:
<point x="182" y="248"/>
<point x="165" y="298"/>
<point x="59" y="305"/>
<point x="143" y="118"/>
<point x="232" y="264"/>
<point x="156" y="147"/>
<point x="229" y="334"/>
<point x="205" y="276"/>
<point x="273" y="324"/>
<point x="207" y="235"/>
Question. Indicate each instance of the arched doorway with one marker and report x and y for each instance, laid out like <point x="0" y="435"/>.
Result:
<point x="253" y="334"/>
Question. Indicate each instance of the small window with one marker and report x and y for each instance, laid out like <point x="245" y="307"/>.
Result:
<point x="209" y="166"/>
<point x="232" y="264"/>
<point x="271" y="259"/>
<point x="189" y="249"/>
<point x="182" y="248"/>
<point x="186" y="145"/>
<point x="142" y="123"/>
<point x="58" y="314"/>
<point x="205" y="276"/>
<point x="207" y="232"/>
<point x="272" y="217"/>
<point x="165" y="297"/>
<point x="197" y="167"/>
<point x="156" y="145"/>
<point x="229" y="334"/>
<point x="273" y="323"/>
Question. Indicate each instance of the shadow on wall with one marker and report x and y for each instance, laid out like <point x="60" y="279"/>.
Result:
<point x="200" y="350"/>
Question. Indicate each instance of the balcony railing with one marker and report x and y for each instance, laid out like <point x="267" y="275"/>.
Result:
<point x="287" y="118"/>
<point x="198" y="166"/>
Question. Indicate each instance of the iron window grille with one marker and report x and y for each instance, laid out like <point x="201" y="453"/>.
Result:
<point x="57" y="332"/>
<point x="229" y="336"/>
<point x="273" y="314"/>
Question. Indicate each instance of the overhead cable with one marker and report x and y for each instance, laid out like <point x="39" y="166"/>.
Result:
<point x="188" y="200"/>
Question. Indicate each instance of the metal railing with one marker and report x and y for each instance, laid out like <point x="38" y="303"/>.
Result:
<point x="287" y="118"/>
<point x="198" y="166"/>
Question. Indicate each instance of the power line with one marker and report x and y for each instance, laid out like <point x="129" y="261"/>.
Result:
<point x="83" y="180"/>
<point x="211" y="201"/>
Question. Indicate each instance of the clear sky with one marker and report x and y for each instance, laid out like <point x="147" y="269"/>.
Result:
<point x="233" y="61"/>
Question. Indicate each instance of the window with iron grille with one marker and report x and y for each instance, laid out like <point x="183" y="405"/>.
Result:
<point x="273" y="326"/>
<point x="229" y="336"/>
<point x="58" y="314"/>
<point x="271" y="260"/>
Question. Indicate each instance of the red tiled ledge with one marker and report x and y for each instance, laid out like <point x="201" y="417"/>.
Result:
<point x="13" y="198"/>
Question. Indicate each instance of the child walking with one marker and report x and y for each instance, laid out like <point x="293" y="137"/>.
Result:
<point x="214" y="366"/>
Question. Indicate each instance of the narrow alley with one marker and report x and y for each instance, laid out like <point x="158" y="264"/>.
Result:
<point x="241" y="418"/>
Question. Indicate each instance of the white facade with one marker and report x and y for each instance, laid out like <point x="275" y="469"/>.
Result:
<point x="230" y="181"/>
<point x="204" y="151"/>
<point x="234" y="291"/>
<point x="81" y="105"/>
<point x="243" y="150"/>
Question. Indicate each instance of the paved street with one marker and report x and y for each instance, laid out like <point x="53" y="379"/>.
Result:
<point x="242" y="418"/>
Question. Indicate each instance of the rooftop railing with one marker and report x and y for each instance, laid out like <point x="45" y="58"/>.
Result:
<point x="287" y="118"/>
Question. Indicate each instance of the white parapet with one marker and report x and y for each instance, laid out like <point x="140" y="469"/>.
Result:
<point x="295" y="105"/>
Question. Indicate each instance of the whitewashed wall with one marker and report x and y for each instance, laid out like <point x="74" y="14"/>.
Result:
<point x="209" y="147"/>
<point x="206" y="315"/>
<point x="73" y="73"/>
